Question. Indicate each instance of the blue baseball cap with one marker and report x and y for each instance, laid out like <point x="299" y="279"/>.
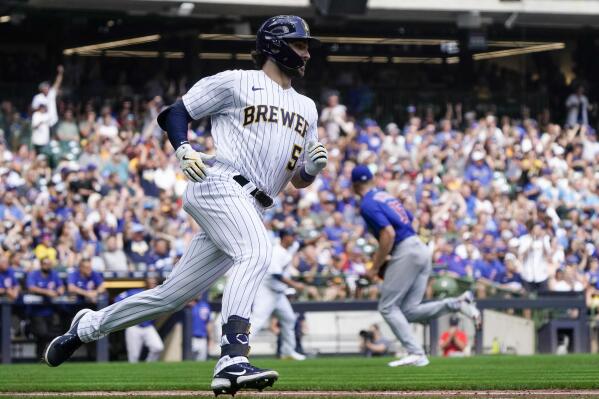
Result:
<point x="361" y="173"/>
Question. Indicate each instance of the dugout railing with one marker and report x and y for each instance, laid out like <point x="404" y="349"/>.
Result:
<point x="29" y="301"/>
<point x="581" y="338"/>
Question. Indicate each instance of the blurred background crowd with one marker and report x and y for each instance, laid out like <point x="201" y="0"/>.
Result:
<point x="507" y="204"/>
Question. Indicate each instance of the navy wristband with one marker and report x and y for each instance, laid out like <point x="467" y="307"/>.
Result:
<point x="306" y="176"/>
<point x="174" y="120"/>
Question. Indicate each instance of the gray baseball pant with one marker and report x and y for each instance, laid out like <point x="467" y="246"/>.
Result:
<point x="405" y="282"/>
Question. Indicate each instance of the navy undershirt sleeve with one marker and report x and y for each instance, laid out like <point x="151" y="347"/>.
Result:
<point x="174" y="120"/>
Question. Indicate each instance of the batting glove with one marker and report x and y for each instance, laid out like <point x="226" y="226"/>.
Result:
<point x="317" y="158"/>
<point x="192" y="162"/>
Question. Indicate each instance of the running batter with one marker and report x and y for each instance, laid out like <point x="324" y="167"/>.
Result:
<point x="266" y="136"/>
<point x="404" y="262"/>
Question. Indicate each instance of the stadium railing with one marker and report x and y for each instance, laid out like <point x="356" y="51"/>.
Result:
<point x="581" y="339"/>
<point x="6" y="310"/>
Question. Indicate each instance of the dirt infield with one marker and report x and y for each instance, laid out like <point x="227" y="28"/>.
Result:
<point x="320" y="394"/>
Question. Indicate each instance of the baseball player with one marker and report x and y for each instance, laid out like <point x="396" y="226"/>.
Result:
<point x="142" y="334"/>
<point x="404" y="263"/>
<point x="265" y="134"/>
<point x="271" y="296"/>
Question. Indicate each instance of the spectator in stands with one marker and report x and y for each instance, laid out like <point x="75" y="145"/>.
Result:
<point x="535" y="251"/>
<point x="46" y="283"/>
<point x="87" y="284"/>
<point x="559" y="282"/>
<point x="454" y="341"/>
<point x="113" y="254"/>
<point x="201" y="329"/>
<point x="87" y="125"/>
<point x="107" y="125"/>
<point x="478" y="170"/>
<point x="470" y="180"/>
<point x="334" y="118"/>
<point x="9" y="286"/>
<point x="11" y="208"/>
<point x="138" y="247"/>
<point x="311" y="272"/>
<point x="592" y="283"/>
<point x="577" y="106"/>
<point x="487" y="270"/>
<point x="373" y="343"/>
<point x="47" y="97"/>
<point x="86" y="182"/>
<point x="160" y="257"/>
<point x="40" y="125"/>
<point x="511" y="279"/>
<point x="67" y="129"/>
<point x="45" y="249"/>
<point x="394" y="144"/>
<point x="90" y="154"/>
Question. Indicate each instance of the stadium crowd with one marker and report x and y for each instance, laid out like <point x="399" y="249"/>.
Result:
<point x="510" y="204"/>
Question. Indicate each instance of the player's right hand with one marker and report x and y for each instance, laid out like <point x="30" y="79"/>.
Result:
<point x="192" y="162"/>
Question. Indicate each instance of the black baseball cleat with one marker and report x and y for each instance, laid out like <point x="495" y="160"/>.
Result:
<point x="242" y="376"/>
<point x="62" y="347"/>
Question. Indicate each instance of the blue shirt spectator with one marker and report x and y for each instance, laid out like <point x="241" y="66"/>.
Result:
<point x="488" y="267"/>
<point x="8" y="283"/>
<point x="47" y="283"/>
<point x="508" y="278"/>
<point x="9" y="208"/>
<point x="455" y="264"/>
<point x="478" y="170"/>
<point x="160" y="257"/>
<point x="86" y="283"/>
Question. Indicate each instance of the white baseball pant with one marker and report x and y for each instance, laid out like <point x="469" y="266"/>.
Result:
<point x="136" y="337"/>
<point x="234" y="236"/>
<point x="199" y="348"/>
<point x="269" y="302"/>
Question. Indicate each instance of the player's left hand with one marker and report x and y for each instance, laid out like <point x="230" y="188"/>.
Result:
<point x="318" y="157"/>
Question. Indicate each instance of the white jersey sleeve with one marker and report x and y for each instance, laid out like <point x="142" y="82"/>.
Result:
<point x="312" y="133"/>
<point x="280" y="259"/>
<point x="211" y="95"/>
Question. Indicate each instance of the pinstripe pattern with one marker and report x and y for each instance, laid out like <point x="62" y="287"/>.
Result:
<point x="199" y="267"/>
<point x="259" y="151"/>
<point x="234" y="236"/>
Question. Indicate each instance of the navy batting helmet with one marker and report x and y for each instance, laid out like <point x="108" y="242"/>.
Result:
<point x="274" y="35"/>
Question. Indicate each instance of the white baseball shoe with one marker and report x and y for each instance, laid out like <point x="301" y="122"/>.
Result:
<point x="468" y="307"/>
<point x="294" y="356"/>
<point x="410" y="360"/>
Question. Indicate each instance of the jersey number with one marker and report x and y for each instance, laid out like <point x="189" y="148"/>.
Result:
<point x="295" y="154"/>
<point x="399" y="209"/>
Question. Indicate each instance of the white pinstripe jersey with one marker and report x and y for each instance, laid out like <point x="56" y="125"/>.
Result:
<point x="259" y="128"/>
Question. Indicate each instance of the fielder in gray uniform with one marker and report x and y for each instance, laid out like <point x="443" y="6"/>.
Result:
<point x="266" y="136"/>
<point x="404" y="263"/>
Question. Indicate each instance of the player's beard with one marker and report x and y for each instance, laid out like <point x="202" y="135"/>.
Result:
<point x="294" y="73"/>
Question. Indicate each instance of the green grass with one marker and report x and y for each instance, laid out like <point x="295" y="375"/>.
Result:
<point x="348" y="374"/>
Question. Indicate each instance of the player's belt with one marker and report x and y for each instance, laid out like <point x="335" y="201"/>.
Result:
<point x="260" y="195"/>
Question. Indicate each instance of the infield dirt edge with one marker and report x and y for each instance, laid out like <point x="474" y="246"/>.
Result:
<point x="540" y="393"/>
